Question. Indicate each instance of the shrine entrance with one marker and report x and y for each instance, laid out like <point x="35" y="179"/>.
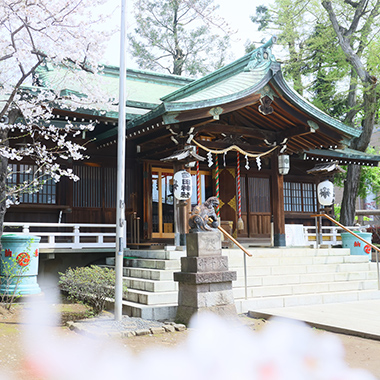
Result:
<point x="256" y="207"/>
<point x="163" y="198"/>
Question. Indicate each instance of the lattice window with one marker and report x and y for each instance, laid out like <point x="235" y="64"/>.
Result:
<point x="21" y="173"/>
<point x="300" y="197"/>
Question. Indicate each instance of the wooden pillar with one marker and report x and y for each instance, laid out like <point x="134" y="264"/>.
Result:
<point x="147" y="201"/>
<point x="277" y="183"/>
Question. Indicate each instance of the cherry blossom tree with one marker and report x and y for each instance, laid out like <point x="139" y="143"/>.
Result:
<point x="34" y="33"/>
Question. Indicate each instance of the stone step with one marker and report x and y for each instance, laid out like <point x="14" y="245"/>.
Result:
<point x="159" y="254"/>
<point x="307" y="278"/>
<point x="153" y="264"/>
<point x="254" y="304"/>
<point x="301" y="289"/>
<point x="297" y="260"/>
<point x="149" y="274"/>
<point x="320" y="269"/>
<point x="151" y="298"/>
<point x="150" y="285"/>
<point x="287" y="252"/>
<point x="155" y="312"/>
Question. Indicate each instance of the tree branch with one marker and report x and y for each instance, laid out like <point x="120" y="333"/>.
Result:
<point x="344" y="42"/>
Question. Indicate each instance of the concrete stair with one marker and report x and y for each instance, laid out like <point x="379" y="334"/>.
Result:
<point x="276" y="277"/>
<point x="148" y="274"/>
<point x="286" y="277"/>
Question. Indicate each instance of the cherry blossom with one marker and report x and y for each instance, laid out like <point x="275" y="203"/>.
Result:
<point x="59" y="35"/>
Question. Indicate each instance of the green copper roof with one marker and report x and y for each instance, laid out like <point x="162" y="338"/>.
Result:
<point x="246" y="76"/>
<point x="143" y="87"/>
<point x="313" y="110"/>
<point x="257" y="62"/>
<point x="344" y="155"/>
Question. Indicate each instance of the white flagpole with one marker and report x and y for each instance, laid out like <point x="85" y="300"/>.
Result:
<point x="120" y="207"/>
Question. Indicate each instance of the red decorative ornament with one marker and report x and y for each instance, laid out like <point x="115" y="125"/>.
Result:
<point x="367" y="249"/>
<point x="357" y="244"/>
<point x="36" y="253"/>
<point x="217" y="189"/>
<point x="8" y="253"/>
<point x="240" y="222"/>
<point x="23" y="259"/>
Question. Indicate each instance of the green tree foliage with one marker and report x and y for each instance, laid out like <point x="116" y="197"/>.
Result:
<point x="287" y="19"/>
<point x="369" y="182"/>
<point x="11" y="275"/>
<point x="91" y="285"/>
<point x="332" y="50"/>
<point x="179" y="36"/>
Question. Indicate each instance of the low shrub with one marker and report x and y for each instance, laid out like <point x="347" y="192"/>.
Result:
<point x="12" y="273"/>
<point x="91" y="285"/>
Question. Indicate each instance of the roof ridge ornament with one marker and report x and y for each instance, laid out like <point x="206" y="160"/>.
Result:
<point x="262" y="54"/>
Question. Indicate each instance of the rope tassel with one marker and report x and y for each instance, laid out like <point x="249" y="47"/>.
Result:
<point x="217" y="183"/>
<point x="240" y="222"/>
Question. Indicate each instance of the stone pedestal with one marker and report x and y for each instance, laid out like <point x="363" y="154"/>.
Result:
<point x="205" y="283"/>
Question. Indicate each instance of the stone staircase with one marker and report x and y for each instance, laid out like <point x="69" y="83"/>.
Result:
<point x="276" y="277"/>
<point x="148" y="274"/>
<point x="285" y="277"/>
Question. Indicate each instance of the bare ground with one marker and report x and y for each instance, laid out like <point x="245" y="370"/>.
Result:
<point x="360" y="352"/>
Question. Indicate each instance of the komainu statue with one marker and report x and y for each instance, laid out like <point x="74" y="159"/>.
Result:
<point x="203" y="217"/>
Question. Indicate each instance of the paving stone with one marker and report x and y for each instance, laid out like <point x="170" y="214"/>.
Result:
<point x="169" y="328"/>
<point x="179" y="327"/>
<point x="142" y="332"/>
<point x="157" y="330"/>
<point x="70" y="325"/>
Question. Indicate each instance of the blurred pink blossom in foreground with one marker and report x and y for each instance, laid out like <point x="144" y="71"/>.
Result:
<point x="215" y="349"/>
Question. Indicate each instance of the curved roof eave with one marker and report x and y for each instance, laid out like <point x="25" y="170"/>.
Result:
<point x="156" y="112"/>
<point x="177" y="107"/>
<point x="219" y="101"/>
<point x="310" y="109"/>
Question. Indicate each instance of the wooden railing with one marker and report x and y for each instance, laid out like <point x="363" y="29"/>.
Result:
<point x="67" y="235"/>
<point x="330" y="234"/>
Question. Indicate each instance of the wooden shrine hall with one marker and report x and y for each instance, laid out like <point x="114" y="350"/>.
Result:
<point x="258" y="139"/>
<point x="248" y="123"/>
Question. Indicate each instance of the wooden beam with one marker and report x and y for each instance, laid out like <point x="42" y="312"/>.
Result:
<point x="303" y="119"/>
<point x="297" y="131"/>
<point x="223" y="145"/>
<point x="238" y="130"/>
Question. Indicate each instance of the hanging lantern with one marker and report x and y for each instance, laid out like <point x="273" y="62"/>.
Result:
<point x="182" y="185"/>
<point x="325" y="192"/>
<point x="283" y="164"/>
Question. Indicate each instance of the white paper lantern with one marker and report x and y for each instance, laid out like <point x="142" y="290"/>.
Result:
<point x="182" y="185"/>
<point x="326" y="193"/>
<point x="283" y="164"/>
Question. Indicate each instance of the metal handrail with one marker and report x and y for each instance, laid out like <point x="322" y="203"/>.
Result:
<point x="346" y="229"/>
<point x="223" y="231"/>
<point x="358" y="237"/>
<point x="234" y="240"/>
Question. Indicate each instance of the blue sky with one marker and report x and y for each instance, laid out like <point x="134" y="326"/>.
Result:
<point x="236" y="12"/>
